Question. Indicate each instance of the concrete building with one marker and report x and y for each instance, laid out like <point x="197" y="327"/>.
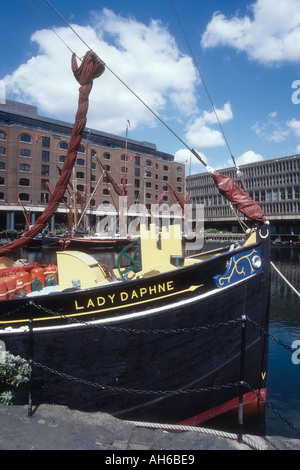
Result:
<point x="274" y="184"/>
<point x="33" y="150"/>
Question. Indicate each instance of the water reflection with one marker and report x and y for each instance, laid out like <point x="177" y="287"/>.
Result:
<point x="284" y="376"/>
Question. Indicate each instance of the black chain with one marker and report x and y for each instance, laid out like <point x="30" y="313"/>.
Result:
<point x="131" y="390"/>
<point x="281" y="343"/>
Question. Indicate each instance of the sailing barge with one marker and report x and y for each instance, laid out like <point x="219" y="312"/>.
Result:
<point x="161" y="339"/>
<point x="145" y="348"/>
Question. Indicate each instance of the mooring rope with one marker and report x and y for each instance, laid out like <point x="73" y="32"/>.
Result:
<point x="285" y="279"/>
<point x="212" y="432"/>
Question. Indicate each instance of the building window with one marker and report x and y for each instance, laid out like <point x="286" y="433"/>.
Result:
<point x="24" y="182"/>
<point x="45" y="170"/>
<point x="93" y="153"/>
<point x="63" y="145"/>
<point x="106" y="156"/>
<point x="25" y="138"/>
<point x="106" y="167"/>
<point x="44" y="198"/>
<point x="24" y="167"/>
<point x="148" y="174"/>
<point x="25" y="153"/>
<point x="137" y="161"/>
<point x="46" y="142"/>
<point x="136" y="172"/>
<point x="44" y="184"/>
<point x="45" y="156"/>
<point x="61" y="158"/>
<point x="179" y="169"/>
<point x="123" y="158"/>
<point x="148" y="163"/>
<point x="2" y="196"/>
<point x="80" y="175"/>
<point x="2" y="151"/>
<point x="80" y="162"/>
<point x="81" y="149"/>
<point x="24" y="197"/>
<point x="80" y="187"/>
<point x="2" y="181"/>
<point x="2" y="135"/>
<point x="93" y="166"/>
<point x="165" y="168"/>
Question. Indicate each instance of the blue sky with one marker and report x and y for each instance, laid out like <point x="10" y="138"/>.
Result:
<point x="248" y="53"/>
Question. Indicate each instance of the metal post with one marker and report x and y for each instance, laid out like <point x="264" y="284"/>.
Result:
<point x="30" y="365"/>
<point x="242" y="376"/>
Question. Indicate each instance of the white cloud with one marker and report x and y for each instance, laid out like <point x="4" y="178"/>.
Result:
<point x="187" y="157"/>
<point x="145" y="57"/>
<point x="199" y="134"/>
<point x="249" y="157"/>
<point x="269" y="34"/>
<point x="271" y="130"/>
<point x="294" y="124"/>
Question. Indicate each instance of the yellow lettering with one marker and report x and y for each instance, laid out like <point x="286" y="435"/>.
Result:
<point x="161" y="287"/>
<point x="152" y="290"/>
<point x="143" y="291"/>
<point x="77" y="307"/>
<point x="134" y="295"/>
<point x="169" y="285"/>
<point x="112" y="297"/>
<point x="100" y="301"/>
<point x="90" y="303"/>
<point x="124" y="296"/>
<point x="263" y="375"/>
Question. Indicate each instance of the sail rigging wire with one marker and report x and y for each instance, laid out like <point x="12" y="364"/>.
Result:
<point x="204" y="84"/>
<point x="55" y="32"/>
<point x="225" y="185"/>
<point x="129" y="88"/>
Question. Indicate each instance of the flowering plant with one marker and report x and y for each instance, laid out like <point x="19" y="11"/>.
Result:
<point x="14" y="370"/>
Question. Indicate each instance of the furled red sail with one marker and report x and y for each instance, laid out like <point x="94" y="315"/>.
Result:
<point x="90" y="68"/>
<point x="238" y="197"/>
<point x="177" y="196"/>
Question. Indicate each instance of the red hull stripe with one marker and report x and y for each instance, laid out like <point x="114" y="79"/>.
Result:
<point x="250" y="400"/>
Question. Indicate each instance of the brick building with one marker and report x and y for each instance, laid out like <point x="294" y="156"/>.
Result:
<point x="33" y="149"/>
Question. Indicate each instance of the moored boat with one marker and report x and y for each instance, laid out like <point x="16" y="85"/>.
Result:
<point x="164" y="337"/>
<point x="160" y="342"/>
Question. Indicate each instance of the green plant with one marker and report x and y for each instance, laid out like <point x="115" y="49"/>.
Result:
<point x="14" y="370"/>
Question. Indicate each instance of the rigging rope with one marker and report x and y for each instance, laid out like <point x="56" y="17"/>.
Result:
<point x="204" y="84"/>
<point x="130" y="89"/>
<point x="55" y="32"/>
